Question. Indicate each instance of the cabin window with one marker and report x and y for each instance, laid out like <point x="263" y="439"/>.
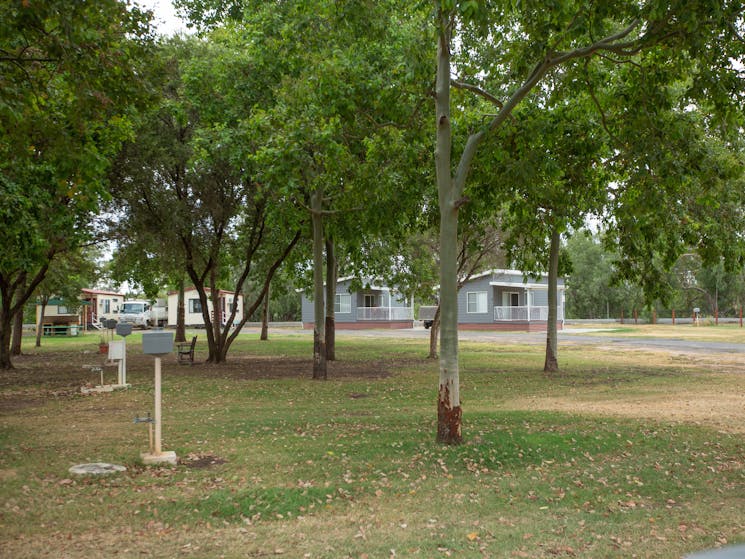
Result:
<point x="343" y="303"/>
<point x="107" y="305"/>
<point x="61" y="309"/>
<point x="476" y="302"/>
<point x="195" y="306"/>
<point x="372" y="301"/>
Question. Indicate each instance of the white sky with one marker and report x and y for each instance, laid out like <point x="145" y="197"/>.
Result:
<point x="166" y="21"/>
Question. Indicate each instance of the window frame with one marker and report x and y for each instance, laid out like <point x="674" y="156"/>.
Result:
<point x="338" y="308"/>
<point x="195" y="306"/>
<point x="481" y="297"/>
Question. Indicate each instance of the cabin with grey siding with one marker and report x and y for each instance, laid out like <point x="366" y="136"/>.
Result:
<point x="507" y="300"/>
<point x="372" y="306"/>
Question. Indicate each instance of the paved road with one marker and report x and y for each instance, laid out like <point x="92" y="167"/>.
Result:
<point x="574" y="336"/>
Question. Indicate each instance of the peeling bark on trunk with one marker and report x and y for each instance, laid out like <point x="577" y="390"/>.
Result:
<point x="449" y="417"/>
<point x="331" y="275"/>
<point x="551" y="364"/>
<point x="319" y="330"/>
<point x="434" y="332"/>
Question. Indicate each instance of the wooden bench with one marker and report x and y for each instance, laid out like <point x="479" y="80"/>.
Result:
<point x="185" y="352"/>
<point x="60" y="329"/>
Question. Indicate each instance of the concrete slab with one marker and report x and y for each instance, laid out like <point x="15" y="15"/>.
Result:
<point x="96" y="469"/>
<point x="103" y="388"/>
<point x="165" y="457"/>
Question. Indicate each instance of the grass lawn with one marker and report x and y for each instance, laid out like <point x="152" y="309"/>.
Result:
<point x="621" y="454"/>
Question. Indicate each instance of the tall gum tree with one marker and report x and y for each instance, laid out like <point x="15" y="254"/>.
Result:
<point x="519" y="47"/>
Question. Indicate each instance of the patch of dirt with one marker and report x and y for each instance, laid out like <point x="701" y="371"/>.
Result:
<point x="255" y="368"/>
<point x="38" y="378"/>
<point x="201" y="460"/>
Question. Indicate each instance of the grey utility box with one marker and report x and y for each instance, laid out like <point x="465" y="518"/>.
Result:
<point x="157" y="343"/>
<point x="123" y="330"/>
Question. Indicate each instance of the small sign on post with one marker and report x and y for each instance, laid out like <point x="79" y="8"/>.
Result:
<point x="157" y="344"/>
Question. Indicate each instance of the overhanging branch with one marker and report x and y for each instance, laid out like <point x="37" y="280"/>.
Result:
<point x="478" y="91"/>
<point x="610" y="43"/>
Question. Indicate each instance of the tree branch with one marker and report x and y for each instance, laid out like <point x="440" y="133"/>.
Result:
<point x="478" y="91"/>
<point x="327" y="212"/>
<point x="608" y="43"/>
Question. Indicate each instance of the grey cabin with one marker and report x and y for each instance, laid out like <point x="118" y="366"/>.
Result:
<point x="373" y="306"/>
<point x="507" y="300"/>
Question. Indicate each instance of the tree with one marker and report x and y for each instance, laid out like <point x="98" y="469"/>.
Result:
<point x="692" y="180"/>
<point x="593" y="288"/>
<point x="524" y="47"/>
<point x="339" y="116"/>
<point x="550" y="173"/>
<point x="186" y="181"/>
<point x="68" y="87"/>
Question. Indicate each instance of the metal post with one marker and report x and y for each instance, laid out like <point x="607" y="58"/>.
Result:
<point x="157" y="449"/>
<point x="123" y="379"/>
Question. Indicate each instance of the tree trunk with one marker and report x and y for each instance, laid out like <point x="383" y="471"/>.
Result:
<point x="207" y="318"/>
<point x="331" y="275"/>
<point x="17" y="340"/>
<point x="40" y="322"/>
<point x="11" y="302"/>
<point x="249" y="310"/>
<point x="216" y="354"/>
<point x="265" y="318"/>
<point x="551" y="364"/>
<point x="319" y="329"/>
<point x="181" y="314"/>
<point x="5" y="327"/>
<point x="448" y="401"/>
<point x="434" y="332"/>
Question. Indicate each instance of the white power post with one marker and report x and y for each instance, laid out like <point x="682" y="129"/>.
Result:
<point x="158" y="344"/>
